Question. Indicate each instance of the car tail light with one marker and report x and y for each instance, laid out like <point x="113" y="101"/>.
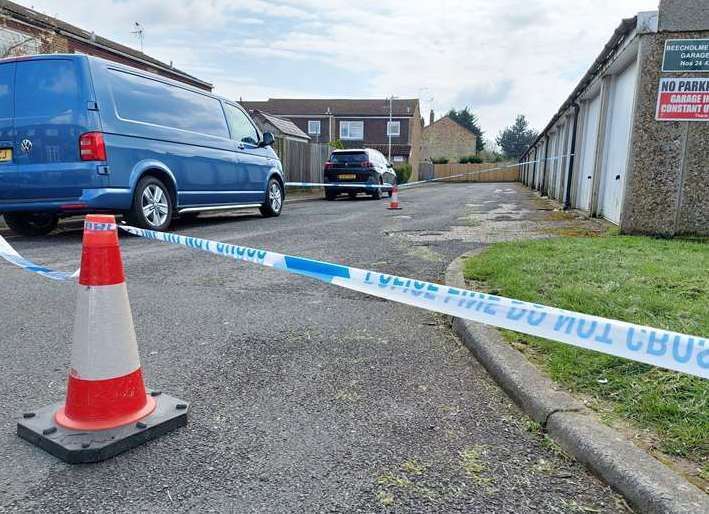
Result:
<point x="329" y="165"/>
<point x="368" y="164"/>
<point x="92" y="147"/>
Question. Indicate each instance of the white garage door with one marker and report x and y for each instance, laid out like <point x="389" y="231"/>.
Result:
<point x="617" y="143"/>
<point x="588" y="153"/>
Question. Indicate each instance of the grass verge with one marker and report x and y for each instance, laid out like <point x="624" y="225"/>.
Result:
<point x="656" y="282"/>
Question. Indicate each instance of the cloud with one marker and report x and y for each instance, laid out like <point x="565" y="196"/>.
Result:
<point x="490" y="93"/>
<point x="501" y="58"/>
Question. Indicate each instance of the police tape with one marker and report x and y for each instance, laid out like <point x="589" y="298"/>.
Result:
<point x="662" y="348"/>
<point x="8" y="253"/>
<point x="406" y="185"/>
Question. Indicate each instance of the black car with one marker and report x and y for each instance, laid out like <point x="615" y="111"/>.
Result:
<point x="356" y="171"/>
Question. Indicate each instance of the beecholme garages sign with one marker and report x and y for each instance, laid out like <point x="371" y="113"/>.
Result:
<point x="683" y="100"/>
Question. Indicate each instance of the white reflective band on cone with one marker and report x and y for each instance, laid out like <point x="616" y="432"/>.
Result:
<point x="104" y="339"/>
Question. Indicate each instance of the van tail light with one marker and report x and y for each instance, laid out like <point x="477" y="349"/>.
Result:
<point x="368" y="164"/>
<point x="329" y="165"/>
<point x="92" y="147"/>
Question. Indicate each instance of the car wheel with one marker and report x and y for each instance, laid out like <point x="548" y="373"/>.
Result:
<point x="352" y="195"/>
<point x="152" y="205"/>
<point x="377" y="194"/>
<point x="274" y="199"/>
<point x="39" y="224"/>
<point x="330" y="195"/>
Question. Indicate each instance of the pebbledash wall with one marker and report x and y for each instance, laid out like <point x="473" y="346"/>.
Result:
<point x="605" y="153"/>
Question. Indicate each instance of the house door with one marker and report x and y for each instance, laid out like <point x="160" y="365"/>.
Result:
<point x="588" y="153"/>
<point x="620" y="114"/>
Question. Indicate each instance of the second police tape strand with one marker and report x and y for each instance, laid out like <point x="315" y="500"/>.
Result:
<point x="386" y="187"/>
<point x="662" y="348"/>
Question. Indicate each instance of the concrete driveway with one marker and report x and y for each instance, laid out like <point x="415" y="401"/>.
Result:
<point x="305" y="397"/>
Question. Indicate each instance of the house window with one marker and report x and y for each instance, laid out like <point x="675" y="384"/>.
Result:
<point x="393" y="128"/>
<point x="313" y="127"/>
<point x="352" y="130"/>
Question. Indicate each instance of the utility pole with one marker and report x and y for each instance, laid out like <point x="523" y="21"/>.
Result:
<point x="391" y="109"/>
<point x="139" y="34"/>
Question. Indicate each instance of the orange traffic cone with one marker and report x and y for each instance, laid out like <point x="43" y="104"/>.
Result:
<point x="394" y="200"/>
<point x="107" y="409"/>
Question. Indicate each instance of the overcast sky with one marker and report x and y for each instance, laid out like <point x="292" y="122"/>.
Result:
<point x="500" y="57"/>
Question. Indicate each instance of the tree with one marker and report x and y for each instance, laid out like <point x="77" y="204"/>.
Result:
<point x="470" y="121"/>
<point x="515" y="139"/>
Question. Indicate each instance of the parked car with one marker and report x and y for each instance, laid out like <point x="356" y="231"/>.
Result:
<point x="361" y="167"/>
<point x="80" y="134"/>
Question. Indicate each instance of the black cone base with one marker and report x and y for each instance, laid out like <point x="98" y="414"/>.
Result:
<point x="81" y="447"/>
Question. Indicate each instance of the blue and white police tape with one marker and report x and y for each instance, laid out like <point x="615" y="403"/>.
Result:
<point x="662" y="348"/>
<point x="485" y="170"/>
<point x="339" y="185"/>
<point x="419" y="182"/>
<point x="8" y="253"/>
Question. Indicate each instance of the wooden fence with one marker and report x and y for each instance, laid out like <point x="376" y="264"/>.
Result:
<point x="477" y="173"/>
<point x="302" y="162"/>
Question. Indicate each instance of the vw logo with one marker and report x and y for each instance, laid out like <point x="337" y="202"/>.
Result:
<point x="26" y="145"/>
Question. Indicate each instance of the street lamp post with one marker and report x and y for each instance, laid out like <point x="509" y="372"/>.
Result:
<point x="391" y="103"/>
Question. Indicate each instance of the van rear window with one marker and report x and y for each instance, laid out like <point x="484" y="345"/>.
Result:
<point x="7" y="79"/>
<point x="343" y="157"/>
<point x="158" y="103"/>
<point x="46" y="87"/>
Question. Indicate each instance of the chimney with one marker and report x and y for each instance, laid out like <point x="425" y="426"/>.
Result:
<point x="430" y="118"/>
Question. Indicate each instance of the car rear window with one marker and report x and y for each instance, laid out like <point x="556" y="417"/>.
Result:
<point x="46" y="87"/>
<point x="150" y="101"/>
<point x="7" y="77"/>
<point x="345" y="157"/>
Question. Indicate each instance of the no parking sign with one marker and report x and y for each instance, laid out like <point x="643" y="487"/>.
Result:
<point x="683" y="99"/>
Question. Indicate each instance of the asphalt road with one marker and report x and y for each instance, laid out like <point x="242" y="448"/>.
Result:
<point x="305" y="397"/>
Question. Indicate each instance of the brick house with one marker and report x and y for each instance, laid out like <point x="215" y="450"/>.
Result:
<point x="357" y="123"/>
<point x="447" y="139"/>
<point x="24" y="31"/>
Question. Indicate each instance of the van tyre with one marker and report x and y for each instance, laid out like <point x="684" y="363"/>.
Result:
<point x="27" y="224"/>
<point x="152" y="205"/>
<point x="330" y="195"/>
<point x="274" y="199"/>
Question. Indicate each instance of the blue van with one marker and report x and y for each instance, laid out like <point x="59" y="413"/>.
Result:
<point x="81" y="134"/>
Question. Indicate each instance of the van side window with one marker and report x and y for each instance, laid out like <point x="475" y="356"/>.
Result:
<point x="46" y="88"/>
<point x="150" y="101"/>
<point x="241" y="127"/>
<point x="7" y="85"/>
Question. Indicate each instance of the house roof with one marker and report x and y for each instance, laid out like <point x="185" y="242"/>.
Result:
<point x="286" y="127"/>
<point x="447" y="117"/>
<point x="336" y="107"/>
<point x="45" y="22"/>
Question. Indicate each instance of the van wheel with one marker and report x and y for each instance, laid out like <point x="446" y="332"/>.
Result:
<point x="152" y="205"/>
<point x="274" y="199"/>
<point x="26" y="224"/>
<point x="330" y="195"/>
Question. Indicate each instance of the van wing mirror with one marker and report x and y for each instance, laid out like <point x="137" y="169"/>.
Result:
<point x="267" y="139"/>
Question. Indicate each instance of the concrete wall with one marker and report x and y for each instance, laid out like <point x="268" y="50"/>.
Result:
<point x="667" y="189"/>
<point x="447" y="139"/>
